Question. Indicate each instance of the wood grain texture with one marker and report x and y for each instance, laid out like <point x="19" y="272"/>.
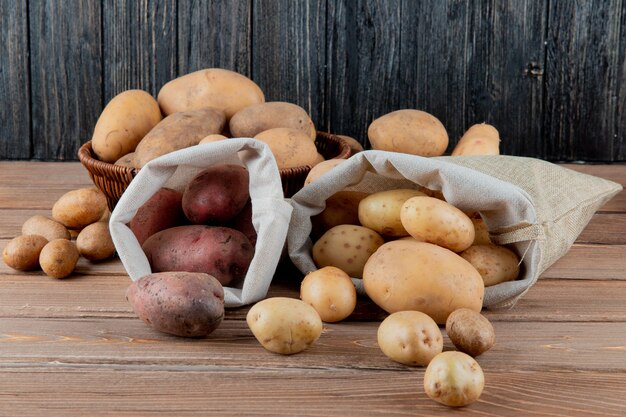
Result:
<point x="139" y="45"/>
<point x="288" y="53"/>
<point x="15" y="139"/>
<point x="214" y="33"/>
<point x="66" y="75"/>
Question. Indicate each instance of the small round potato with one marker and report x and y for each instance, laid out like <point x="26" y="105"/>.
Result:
<point x="410" y="337"/>
<point x="470" y="331"/>
<point x="341" y="208"/>
<point x="43" y="226"/>
<point x="284" y="325"/>
<point x="381" y="211"/>
<point x="215" y="137"/>
<point x="494" y="263"/>
<point x="438" y="222"/>
<point x="58" y="258"/>
<point x="409" y="131"/>
<point x="454" y="379"/>
<point x="94" y="242"/>
<point x="355" y="145"/>
<point x="321" y="168"/>
<point x="291" y="147"/>
<point x="79" y="208"/>
<point x="346" y="247"/>
<point x="331" y="293"/>
<point x="22" y="253"/>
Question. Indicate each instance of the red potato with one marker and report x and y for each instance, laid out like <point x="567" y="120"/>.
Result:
<point x="218" y="251"/>
<point x="243" y="223"/>
<point x="180" y="303"/>
<point x="217" y="194"/>
<point x="162" y="211"/>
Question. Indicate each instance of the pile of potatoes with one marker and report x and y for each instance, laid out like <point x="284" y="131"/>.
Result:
<point x="46" y="243"/>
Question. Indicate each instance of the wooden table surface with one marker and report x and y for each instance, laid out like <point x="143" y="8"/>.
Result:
<point x="73" y="347"/>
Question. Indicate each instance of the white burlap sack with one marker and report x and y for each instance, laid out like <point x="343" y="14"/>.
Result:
<point x="535" y="207"/>
<point x="270" y="211"/>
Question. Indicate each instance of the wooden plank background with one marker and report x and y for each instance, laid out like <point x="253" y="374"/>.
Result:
<point x="550" y="75"/>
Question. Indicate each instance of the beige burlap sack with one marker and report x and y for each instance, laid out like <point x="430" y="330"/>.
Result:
<point x="535" y="207"/>
<point x="270" y="211"/>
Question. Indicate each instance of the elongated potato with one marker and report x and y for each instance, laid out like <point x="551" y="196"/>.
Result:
<point x="43" y="226"/>
<point x="22" y="252"/>
<point x="480" y="139"/>
<point x="255" y="119"/>
<point x="127" y="118"/>
<point x="79" y="208"/>
<point x="94" y="242"/>
<point x="291" y="147"/>
<point x="218" y="88"/>
<point x="495" y="264"/>
<point x="381" y="211"/>
<point x="320" y="169"/>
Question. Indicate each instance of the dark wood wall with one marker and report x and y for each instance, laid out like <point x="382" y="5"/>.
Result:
<point x="549" y="74"/>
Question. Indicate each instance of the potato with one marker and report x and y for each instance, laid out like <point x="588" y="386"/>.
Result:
<point x="79" y="208"/>
<point x="127" y="160"/>
<point x="320" y="169"/>
<point x="216" y="194"/>
<point x="454" y="379"/>
<point x="480" y="139"/>
<point x="178" y="131"/>
<point x="330" y="292"/>
<point x="495" y="264"/>
<point x="127" y="118"/>
<point x="346" y="247"/>
<point x="481" y="233"/>
<point x="438" y="222"/>
<point x="410" y="337"/>
<point x="94" y="242"/>
<point x="188" y="304"/>
<point x="284" y="325"/>
<point x="470" y="332"/>
<point x="319" y="159"/>
<point x="162" y="211"/>
<point x="243" y="223"/>
<point x="355" y="145"/>
<point x="22" y="253"/>
<point x="215" y="137"/>
<point x="255" y="119"/>
<point x="106" y="216"/>
<point x="292" y="148"/>
<point x="410" y="275"/>
<point x="218" y="88"/>
<point x="409" y="131"/>
<point x="43" y="226"/>
<point x="381" y="211"/>
<point x="218" y="251"/>
<point x="58" y="258"/>
<point x="341" y="208"/>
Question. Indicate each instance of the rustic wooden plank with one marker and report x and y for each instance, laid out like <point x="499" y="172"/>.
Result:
<point x="66" y="75"/>
<point x="33" y="197"/>
<point x="15" y="140"/>
<point x="288" y="59"/>
<point x="590" y="262"/>
<point x="61" y="390"/>
<point x="605" y="228"/>
<point x="582" y="65"/>
<point x="43" y="174"/>
<point x="364" y="45"/>
<point x="214" y="34"/>
<point x="139" y="45"/>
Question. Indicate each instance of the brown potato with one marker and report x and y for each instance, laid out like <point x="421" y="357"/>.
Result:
<point x="321" y="168"/>
<point x="58" y="258"/>
<point x="178" y="131"/>
<point x="355" y="145"/>
<point x="292" y="148"/>
<point x="188" y="304"/>
<point x="495" y="264"/>
<point x="454" y="379"/>
<point x="381" y="211"/>
<point x="330" y="292"/>
<point x="94" y="242"/>
<point x="79" y="208"/>
<point x="341" y="208"/>
<point x="218" y="88"/>
<point x="127" y="160"/>
<point x="470" y="331"/>
<point x="43" y="226"/>
<point x="215" y="137"/>
<point x="481" y="233"/>
<point x="479" y="139"/>
<point x="22" y="253"/>
<point x="409" y="131"/>
<point x="162" y="211"/>
<point x="252" y="120"/>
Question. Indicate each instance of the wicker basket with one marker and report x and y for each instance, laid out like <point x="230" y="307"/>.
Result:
<point x="112" y="180"/>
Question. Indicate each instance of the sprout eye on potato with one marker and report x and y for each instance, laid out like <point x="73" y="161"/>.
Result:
<point x="454" y="379"/>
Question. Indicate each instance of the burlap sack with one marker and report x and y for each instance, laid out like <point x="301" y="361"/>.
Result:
<point x="535" y="207"/>
<point x="270" y="211"/>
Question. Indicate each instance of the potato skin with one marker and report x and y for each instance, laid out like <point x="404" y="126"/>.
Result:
<point x="381" y="211"/>
<point x="291" y="147"/>
<point x="284" y="325"/>
<point x="162" y="211"/>
<point x="479" y="139"/>
<point x="22" y="252"/>
<point x="409" y="131"/>
<point x="218" y="88"/>
<point x="355" y="145"/>
<point x="341" y="208"/>
<point x="127" y="160"/>
<point x="188" y="304"/>
<point x="178" y="131"/>
<point x="214" y="137"/>
<point x="94" y="242"/>
<point x="330" y="292"/>
<point x="79" y="208"/>
<point x="494" y="263"/>
<point x="58" y="258"/>
<point x="321" y="168"/>
<point x="43" y="226"/>
<point x="470" y="332"/>
<point x="218" y="251"/>
<point x="411" y="275"/>
<point x="243" y="223"/>
<point x="454" y="379"/>
<point x="255" y="119"/>
<point x="127" y="118"/>
<point x="216" y="194"/>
